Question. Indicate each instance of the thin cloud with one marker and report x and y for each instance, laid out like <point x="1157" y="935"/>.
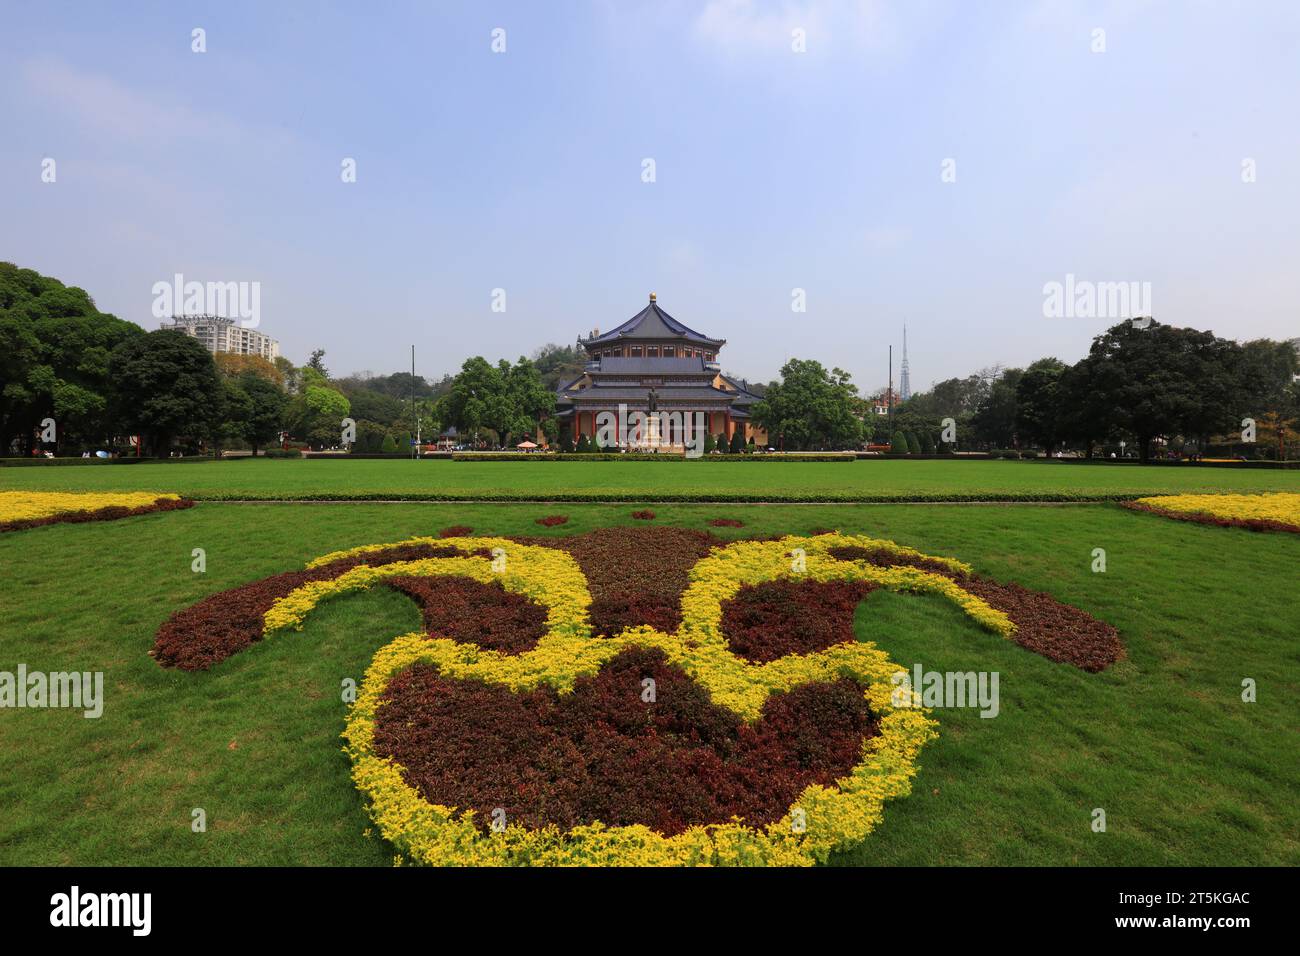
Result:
<point x="101" y="103"/>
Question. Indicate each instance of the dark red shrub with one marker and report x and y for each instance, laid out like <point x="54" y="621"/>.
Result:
<point x="472" y="612"/>
<point x="603" y="753"/>
<point x="765" y="622"/>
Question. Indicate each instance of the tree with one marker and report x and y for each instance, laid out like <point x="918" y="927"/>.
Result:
<point x="559" y="365"/>
<point x="265" y="418"/>
<point x="317" y="363"/>
<point x="810" y="407"/>
<point x="234" y="365"/>
<point x="165" y="386"/>
<point x="509" y="399"/>
<point x="1162" y="380"/>
<point x="913" y="446"/>
<point x="927" y="444"/>
<point x="54" y="360"/>
<point x="737" y="446"/>
<point x="1039" y="417"/>
<point x="710" y="444"/>
<point x="389" y="446"/>
<point x="1267" y="372"/>
<point x="898" y="444"/>
<point x="994" y="423"/>
<point x="316" y="413"/>
<point x="234" y="408"/>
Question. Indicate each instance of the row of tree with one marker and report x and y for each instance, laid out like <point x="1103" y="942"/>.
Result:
<point x="100" y="379"/>
<point x="1189" y="389"/>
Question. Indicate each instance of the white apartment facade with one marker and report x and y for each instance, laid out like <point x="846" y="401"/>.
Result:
<point x="220" y="334"/>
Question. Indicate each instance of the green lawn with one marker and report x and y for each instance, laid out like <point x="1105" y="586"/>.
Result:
<point x="646" y="481"/>
<point x="1187" y="772"/>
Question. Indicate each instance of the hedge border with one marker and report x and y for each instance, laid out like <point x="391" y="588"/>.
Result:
<point x="645" y="456"/>
<point x="681" y="497"/>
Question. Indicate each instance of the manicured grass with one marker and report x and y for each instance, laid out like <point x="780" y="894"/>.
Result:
<point x="1186" y="772"/>
<point x="647" y="481"/>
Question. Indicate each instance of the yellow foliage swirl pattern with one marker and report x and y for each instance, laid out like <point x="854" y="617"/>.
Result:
<point x="822" y="820"/>
<point x="34" y="505"/>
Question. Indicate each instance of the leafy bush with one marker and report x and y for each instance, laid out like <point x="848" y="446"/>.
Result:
<point x="898" y="444"/>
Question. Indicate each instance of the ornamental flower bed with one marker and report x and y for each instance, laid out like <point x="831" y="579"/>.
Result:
<point x="31" y="509"/>
<point x="1266" y="512"/>
<point x="742" y="729"/>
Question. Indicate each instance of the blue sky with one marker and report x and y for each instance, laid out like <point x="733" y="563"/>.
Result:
<point x="775" y="170"/>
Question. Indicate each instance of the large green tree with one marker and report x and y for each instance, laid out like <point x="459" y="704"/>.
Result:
<point x="165" y="387"/>
<point x="810" y="408"/>
<point x="511" y="400"/>
<point x="1161" y="381"/>
<point x="1039" y="415"/>
<point x="994" y="422"/>
<point x="264" y="419"/>
<point x="54" y="360"/>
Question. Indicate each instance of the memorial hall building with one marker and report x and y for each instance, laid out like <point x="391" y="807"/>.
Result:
<point x="652" y="362"/>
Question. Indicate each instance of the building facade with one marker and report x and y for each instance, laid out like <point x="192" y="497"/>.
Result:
<point x="220" y="334"/>
<point x="653" y="363"/>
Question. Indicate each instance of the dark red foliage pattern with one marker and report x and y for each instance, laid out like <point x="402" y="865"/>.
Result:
<point x="604" y="754"/>
<point x="550" y="521"/>
<point x="208" y="632"/>
<point x="473" y="612"/>
<point x="646" y="515"/>
<point x="726" y="523"/>
<point x="765" y="622"/>
<point x="636" y="575"/>
<point x="1044" y="625"/>
<point x="456" y="531"/>
<point x="111" y="513"/>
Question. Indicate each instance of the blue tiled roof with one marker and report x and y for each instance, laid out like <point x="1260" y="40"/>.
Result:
<point x="652" y="322"/>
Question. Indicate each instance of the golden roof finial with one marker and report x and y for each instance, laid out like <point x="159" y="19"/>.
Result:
<point x="652" y="296"/>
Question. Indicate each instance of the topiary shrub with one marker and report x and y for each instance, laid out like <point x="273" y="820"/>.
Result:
<point x="913" y="446"/>
<point x="389" y="446"/>
<point x="927" y="444"/>
<point x="737" y="443"/>
<point x="898" y="444"/>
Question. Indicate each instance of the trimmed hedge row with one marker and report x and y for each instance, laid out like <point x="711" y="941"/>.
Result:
<point x="706" y="497"/>
<point x="57" y="462"/>
<point x="647" y="456"/>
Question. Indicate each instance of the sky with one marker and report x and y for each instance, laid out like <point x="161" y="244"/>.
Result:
<point x="934" y="164"/>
